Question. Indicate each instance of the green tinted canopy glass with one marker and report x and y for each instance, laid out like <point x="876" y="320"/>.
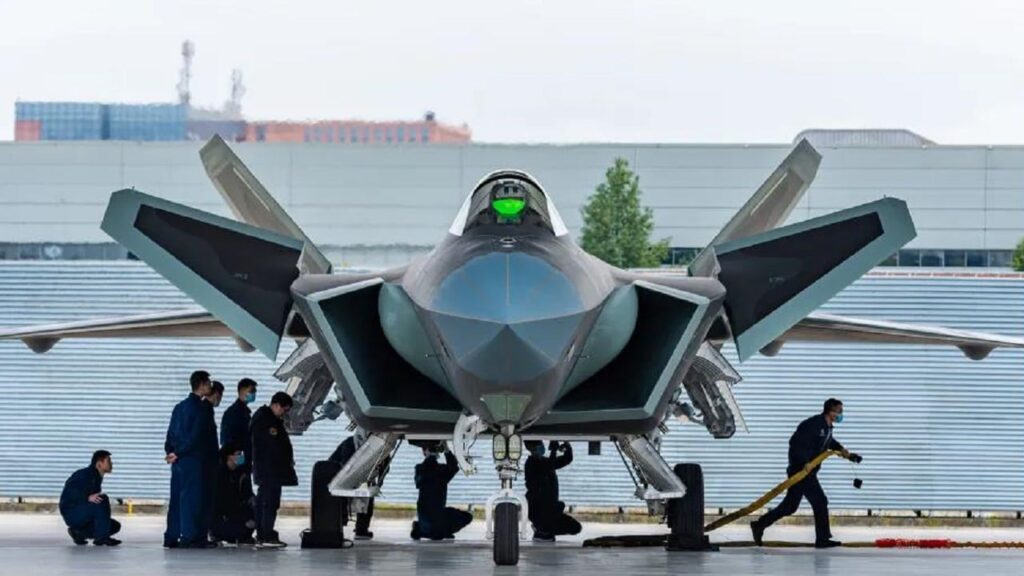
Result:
<point x="508" y="207"/>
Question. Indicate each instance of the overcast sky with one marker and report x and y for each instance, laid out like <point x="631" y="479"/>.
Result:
<point x="555" y="71"/>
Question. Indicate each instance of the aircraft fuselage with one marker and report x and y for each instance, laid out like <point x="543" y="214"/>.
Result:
<point x="508" y="309"/>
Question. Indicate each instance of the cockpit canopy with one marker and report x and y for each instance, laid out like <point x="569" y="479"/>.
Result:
<point x="511" y="198"/>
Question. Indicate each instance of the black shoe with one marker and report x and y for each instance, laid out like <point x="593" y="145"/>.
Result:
<point x="170" y="544"/>
<point x="106" y="542"/>
<point x="415" y="534"/>
<point x="758" y="531"/>
<point x="77" y="537"/>
<point x="828" y="544"/>
<point x="246" y="541"/>
<point x="543" y="537"/>
<point x="367" y="535"/>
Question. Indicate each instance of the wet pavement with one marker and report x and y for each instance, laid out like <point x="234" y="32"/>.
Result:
<point x="38" y="544"/>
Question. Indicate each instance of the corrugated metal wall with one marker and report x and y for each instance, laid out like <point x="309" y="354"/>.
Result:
<point x="937" y="431"/>
<point x="965" y="197"/>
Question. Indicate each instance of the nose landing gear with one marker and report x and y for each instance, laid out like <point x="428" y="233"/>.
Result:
<point x="507" y="512"/>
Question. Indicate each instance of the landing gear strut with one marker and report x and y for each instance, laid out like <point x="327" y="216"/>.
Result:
<point x="507" y="512"/>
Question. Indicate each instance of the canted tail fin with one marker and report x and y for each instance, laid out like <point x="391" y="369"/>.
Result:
<point x="770" y="205"/>
<point x="251" y="203"/>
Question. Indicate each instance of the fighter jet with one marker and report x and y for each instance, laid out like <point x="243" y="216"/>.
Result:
<point x="507" y="328"/>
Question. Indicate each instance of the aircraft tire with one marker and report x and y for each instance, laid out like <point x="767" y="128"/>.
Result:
<point x="506" y="534"/>
<point x="686" y="514"/>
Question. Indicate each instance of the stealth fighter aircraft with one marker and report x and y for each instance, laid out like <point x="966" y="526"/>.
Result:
<point x="507" y="328"/>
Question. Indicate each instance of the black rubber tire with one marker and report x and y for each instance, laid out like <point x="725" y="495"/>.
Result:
<point x="327" y="513"/>
<point x="686" y="514"/>
<point x="506" y="534"/>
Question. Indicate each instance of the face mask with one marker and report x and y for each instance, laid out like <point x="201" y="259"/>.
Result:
<point x="250" y="397"/>
<point x="240" y="459"/>
<point x="839" y="418"/>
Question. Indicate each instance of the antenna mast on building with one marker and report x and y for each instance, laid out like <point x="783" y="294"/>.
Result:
<point x="234" y="105"/>
<point x="188" y="49"/>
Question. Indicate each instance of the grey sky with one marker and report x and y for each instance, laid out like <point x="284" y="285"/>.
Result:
<point x="556" y="71"/>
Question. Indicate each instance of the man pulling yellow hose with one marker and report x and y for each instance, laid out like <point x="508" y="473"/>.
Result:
<point x="809" y="446"/>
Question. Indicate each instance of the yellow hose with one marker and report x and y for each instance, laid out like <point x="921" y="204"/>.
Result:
<point x="760" y="502"/>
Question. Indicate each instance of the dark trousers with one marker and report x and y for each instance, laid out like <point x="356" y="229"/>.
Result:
<point x="230" y="529"/>
<point x="450" y="522"/>
<point x="185" y="510"/>
<point x="556" y="524"/>
<point x="363" y="519"/>
<point x="808" y="488"/>
<point x="173" y="531"/>
<point x="206" y="510"/>
<point x="268" y="500"/>
<point x="92" y="520"/>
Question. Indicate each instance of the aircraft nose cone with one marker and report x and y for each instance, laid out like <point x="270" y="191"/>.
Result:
<point x="507" y="316"/>
<point x="507" y="352"/>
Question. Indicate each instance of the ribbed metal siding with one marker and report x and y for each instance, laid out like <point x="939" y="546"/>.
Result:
<point x="964" y="197"/>
<point x="937" y="431"/>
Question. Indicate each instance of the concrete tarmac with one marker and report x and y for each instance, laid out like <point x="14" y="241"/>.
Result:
<point x="38" y="544"/>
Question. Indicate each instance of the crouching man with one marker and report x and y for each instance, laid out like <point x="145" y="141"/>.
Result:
<point x="233" y="520"/>
<point x="84" y="506"/>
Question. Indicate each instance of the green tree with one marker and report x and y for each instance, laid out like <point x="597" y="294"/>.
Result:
<point x="616" y="227"/>
<point x="1018" y="257"/>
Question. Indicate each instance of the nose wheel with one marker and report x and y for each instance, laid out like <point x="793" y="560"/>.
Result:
<point x="506" y="511"/>
<point x="506" y="534"/>
<point x="507" y="514"/>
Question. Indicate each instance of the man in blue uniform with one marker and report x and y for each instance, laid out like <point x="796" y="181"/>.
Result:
<point x="233" y="520"/>
<point x="547" y="512"/>
<point x="84" y="506"/>
<point x="812" y="437"/>
<point x="191" y="448"/>
<point x="234" y="424"/>
<point x="273" y="466"/>
<point x="435" y="519"/>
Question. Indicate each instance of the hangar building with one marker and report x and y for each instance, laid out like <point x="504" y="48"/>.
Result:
<point x="938" y="431"/>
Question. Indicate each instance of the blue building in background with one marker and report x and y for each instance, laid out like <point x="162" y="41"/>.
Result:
<point x="96" y="121"/>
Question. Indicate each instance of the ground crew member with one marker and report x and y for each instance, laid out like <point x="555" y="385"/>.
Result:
<point x="84" y="506"/>
<point x="191" y="446"/>
<point x="435" y="519"/>
<point x="273" y="466"/>
<point x="547" y="512"/>
<point x="341" y="455"/>
<point x="214" y="399"/>
<point x="812" y="437"/>
<point x="234" y="424"/>
<point x="233" y="519"/>
<point x="216" y="394"/>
